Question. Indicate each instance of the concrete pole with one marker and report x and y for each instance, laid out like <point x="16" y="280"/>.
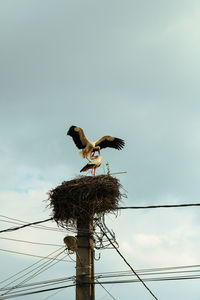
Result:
<point x="85" y="260"/>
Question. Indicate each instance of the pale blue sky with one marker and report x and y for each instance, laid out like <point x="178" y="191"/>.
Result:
<point x="124" y="68"/>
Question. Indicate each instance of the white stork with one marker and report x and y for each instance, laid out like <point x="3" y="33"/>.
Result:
<point x="95" y="163"/>
<point x="88" y="147"/>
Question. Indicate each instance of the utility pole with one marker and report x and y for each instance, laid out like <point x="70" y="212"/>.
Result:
<point x="85" y="260"/>
<point x="77" y="201"/>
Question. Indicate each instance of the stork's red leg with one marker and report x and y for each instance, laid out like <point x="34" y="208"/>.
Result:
<point x="99" y="151"/>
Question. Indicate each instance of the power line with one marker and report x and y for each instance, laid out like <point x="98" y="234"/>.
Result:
<point x="154" y="271"/>
<point x="159" y="206"/>
<point x="48" y="265"/>
<point x="143" y="272"/>
<point x="36" y="292"/>
<point x="112" y="274"/>
<point x="49" y="228"/>
<point x="41" y="284"/>
<point x="38" y="226"/>
<point x="50" y="296"/>
<point x="153" y="279"/>
<point x="24" y="222"/>
<point x="22" y="253"/>
<point x="26" y="225"/>
<point x="106" y="290"/>
<point x="128" y="264"/>
<point x="68" y="228"/>
<point x="121" y="207"/>
<point x="23" y="270"/>
<point x="39" y="269"/>
<point x="29" y="242"/>
<point x="128" y="274"/>
<point x="18" y="294"/>
<point x="32" y="226"/>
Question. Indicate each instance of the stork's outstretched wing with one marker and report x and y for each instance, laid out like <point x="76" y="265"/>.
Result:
<point x="78" y="137"/>
<point x="109" y="141"/>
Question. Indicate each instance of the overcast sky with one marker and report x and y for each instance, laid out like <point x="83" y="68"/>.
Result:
<point x="124" y="68"/>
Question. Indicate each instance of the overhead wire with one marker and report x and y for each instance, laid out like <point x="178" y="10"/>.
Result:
<point x="134" y="272"/>
<point x="45" y="266"/>
<point x="50" y="296"/>
<point x="152" y="279"/>
<point x="32" y="226"/>
<point x="25" y="225"/>
<point x="27" y="254"/>
<point x="42" y="283"/>
<point x="35" y="292"/>
<point x="21" y="222"/>
<point x="147" y="272"/>
<point x="44" y="227"/>
<point x="105" y="289"/>
<point x="143" y="272"/>
<point x="119" y="208"/>
<point x="119" y="274"/>
<point x="33" y="288"/>
<point x="20" y="285"/>
<point x="47" y="257"/>
<point x="30" y="242"/>
<point x="36" y="268"/>
<point x="18" y="294"/>
<point x="160" y="206"/>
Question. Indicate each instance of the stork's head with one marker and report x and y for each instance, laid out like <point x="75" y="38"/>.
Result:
<point x="97" y="148"/>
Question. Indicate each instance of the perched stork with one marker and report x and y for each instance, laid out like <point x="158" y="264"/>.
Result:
<point x="93" y="164"/>
<point x="88" y="147"/>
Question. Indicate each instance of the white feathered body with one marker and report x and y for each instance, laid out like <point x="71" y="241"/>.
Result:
<point x="86" y="152"/>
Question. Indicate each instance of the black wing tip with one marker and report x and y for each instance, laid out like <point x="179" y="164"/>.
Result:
<point x="120" y="143"/>
<point x="76" y="137"/>
<point x="112" y="142"/>
<point x="87" y="167"/>
<point x="82" y="170"/>
<point x="71" y="130"/>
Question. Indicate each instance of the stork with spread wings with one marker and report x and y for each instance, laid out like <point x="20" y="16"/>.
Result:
<point x="88" y="147"/>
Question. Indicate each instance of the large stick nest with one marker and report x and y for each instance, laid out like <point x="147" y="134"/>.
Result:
<point x="83" y="197"/>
